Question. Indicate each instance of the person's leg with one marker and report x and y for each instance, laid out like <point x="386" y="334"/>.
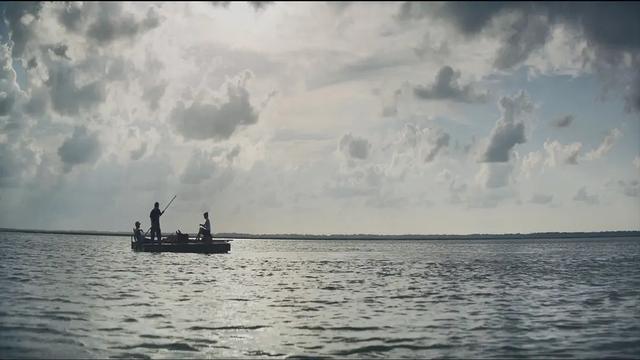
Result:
<point x="159" y="235"/>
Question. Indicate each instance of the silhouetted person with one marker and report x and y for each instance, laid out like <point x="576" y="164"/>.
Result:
<point x="137" y="233"/>
<point x="205" y="229"/>
<point x="155" y="221"/>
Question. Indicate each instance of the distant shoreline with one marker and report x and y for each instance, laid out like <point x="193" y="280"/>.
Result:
<point x="544" y="235"/>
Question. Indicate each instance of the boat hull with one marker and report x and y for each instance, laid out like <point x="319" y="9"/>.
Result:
<point x="212" y="247"/>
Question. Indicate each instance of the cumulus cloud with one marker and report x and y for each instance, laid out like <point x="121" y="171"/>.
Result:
<point x="523" y="27"/>
<point x="583" y="196"/>
<point x="636" y="162"/>
<point x="605" y="146"/>
<point x="425" y="142"/>
<point x="491" y="176"/>
<point x="203" y="120"/>
<point x="83" y="147"/>
<point x="106" y="22"/>
<point x="69" y="98"/>
<point x="541" y="199"/>
<point x="509" y="129"/>
<point x="558" y="153"/>
<point x="531" y="162"/>
<point x="446" y="87"/>
<point x="563" y="121"/>
<point x="354" y="148"/>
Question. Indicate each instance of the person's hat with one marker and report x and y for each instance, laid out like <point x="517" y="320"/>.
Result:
<point x="137" y="222"/>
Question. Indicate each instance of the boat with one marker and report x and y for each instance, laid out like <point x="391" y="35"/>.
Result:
<point x="183" y="243"/>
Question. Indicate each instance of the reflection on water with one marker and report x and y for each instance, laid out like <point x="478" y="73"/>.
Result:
<point x="83" y="296"/>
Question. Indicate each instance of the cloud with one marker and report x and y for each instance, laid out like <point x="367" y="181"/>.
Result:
<point x="16" y="162"/>
<point x="583" y="196"/>
<point x="426" y="142"/>
<point x="509" y="129"/>
<point x="83" y="147"/>
<point x="203" y="120"/>
<point x="558" y="154"/>
<point x="525" y="35"/>
<point x="611" y="32"/>
<point x="69" y="98"/>
<point x="260" y="5"/>
<point x="541" y="199"/>
<point x="563" y="121"/>
<point x="9" y="89"/>
<point x="354" y="148"/>
<point x="531" y="162"/>
<point x="491" y="176"/>
<point x="20" y="17"/>
<point x="107" y="22"/>
<point x="605" y="146"/>
<point x="139" y="152"/>
<point x="446" y="87"/>
<point x="636" y="162"/>
<point x="631" y="189"/>
<point x="437" y="141"/>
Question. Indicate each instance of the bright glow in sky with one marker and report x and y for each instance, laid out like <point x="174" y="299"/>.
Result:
<point x="389" y="118"/>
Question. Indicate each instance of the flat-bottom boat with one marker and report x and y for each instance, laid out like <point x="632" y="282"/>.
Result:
<point x="182" y="243"/>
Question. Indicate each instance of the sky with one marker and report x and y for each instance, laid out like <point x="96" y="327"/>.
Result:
<point x="321" y="118"/>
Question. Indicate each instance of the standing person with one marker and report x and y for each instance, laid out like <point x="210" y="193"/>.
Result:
<point x="155" y="221"/>
<point x="205" y="229"/>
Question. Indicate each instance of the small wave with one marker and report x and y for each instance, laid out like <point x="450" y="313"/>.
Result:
<point x="262" y="353"/>
<point x="130" y="356"/>
<point x="177" y="346"/>
<point x="385" y="348"/>
<point x="111" y="329"/>
<point x="153" y="316"/>
<point x="240" y="327"/>
<point x="128" y="320"/>
<point x="341" y="328"/>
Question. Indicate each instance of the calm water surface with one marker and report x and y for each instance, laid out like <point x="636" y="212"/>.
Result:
<point x="89" y="296"/>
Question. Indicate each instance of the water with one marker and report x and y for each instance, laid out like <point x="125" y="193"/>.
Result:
<point x="89" y="296"/>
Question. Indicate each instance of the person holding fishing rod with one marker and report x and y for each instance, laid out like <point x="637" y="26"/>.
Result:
<point x="155" y="220"/>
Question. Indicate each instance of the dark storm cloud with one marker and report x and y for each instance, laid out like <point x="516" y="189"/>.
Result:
<point x="201" y="120"/>
<point x="509" y="129"/>
<point x="354" y="147"/>
<point x="563" y="121"/>
<point x="446" y="87"/>
<point x="81" y="148"/>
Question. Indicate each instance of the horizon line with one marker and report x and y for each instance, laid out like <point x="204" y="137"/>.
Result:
<point x="363" y="236"/>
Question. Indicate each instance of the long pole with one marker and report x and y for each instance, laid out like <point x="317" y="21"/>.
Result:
<point x="165" y="208"/>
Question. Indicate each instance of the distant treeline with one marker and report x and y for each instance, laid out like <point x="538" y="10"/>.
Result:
<point x="542" y="235"/>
